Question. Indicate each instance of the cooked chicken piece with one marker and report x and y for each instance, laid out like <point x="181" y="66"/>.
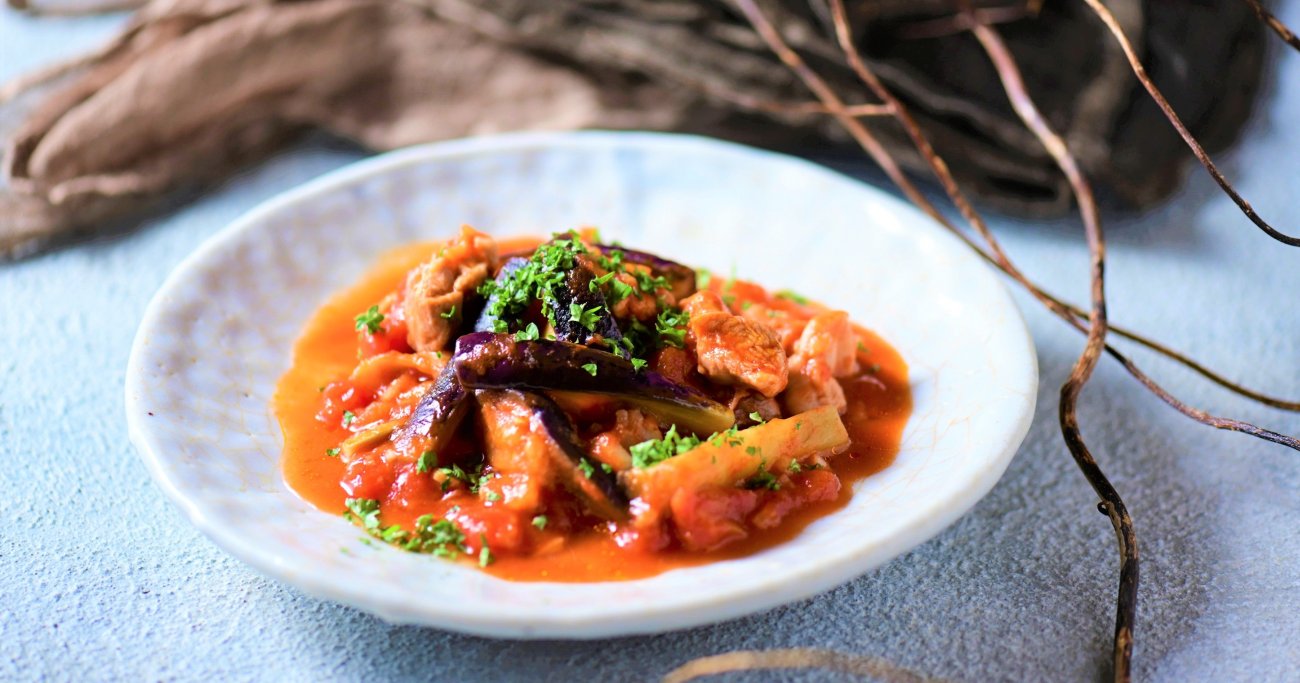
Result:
<point x="631" y="427"/>
<point x="787" y="327"/>
<point x="827" y="349"/>
<point x="436" y="291"/>
<point x="517" y="449"/>
<point x="731" y="349"/>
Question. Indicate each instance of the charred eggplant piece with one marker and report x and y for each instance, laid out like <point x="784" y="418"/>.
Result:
<point x="487" y="320"/>
<point x="680" y="276"/>
<point x="439" y="412"/>
<point x="578" y="471"/>
<point x="499" y="361"/>
<point x="582" y="316"/>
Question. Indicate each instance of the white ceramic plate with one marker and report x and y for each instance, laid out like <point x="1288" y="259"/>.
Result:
<point x="218" y="335"/>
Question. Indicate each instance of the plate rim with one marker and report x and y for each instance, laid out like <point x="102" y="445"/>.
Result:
<point x="921" y="529"/>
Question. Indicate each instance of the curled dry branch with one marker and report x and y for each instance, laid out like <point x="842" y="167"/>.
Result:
<point x="1111" y="503"/>
<point x="1135" y="62"/>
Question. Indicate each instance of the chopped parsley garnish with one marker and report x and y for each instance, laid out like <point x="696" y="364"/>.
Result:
<point x="587" y="317"/>
<point x="752" y="450"/>
<point x="604" y="466"/>
<point x="364" y="511"/>
<point x="471" y="479"/>
<point x="492" y="496"/>
<point x="792" y="296"/>
<point x="348" y="417"/>
<point x="795" y="467"/>
<point x="638" y="363"/>
<point x="590" y="368"/>
<point x="655" y="451"/>
<point x="333" y="452"/>
<point x="702" y="278"/>
<point x="670" y="326"/>
<point x="535" y="280"/>
<point x="428" y="460"/>
<point x="540" y="522"/>
<point x="440" y="538"/>
<point x="370" y="321"/>
<point x="763" y="480"/>
<point x="585" y="466"/>
<point x="756" y="417"/>
<point x="510" y="297"/>
<point x="484" y="553"/>
<point x="449" y="314"/>
<point x="529" y="333"/>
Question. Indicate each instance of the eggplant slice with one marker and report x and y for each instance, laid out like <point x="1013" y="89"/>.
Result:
<point x="680" y="276"/>
<point x="579" y="472"/>
<point x="499" y="361"/>
<point x="440" y="411"/>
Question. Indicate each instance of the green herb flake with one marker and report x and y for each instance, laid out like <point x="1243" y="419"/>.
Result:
<point x="763" y="480"/>
<point x="874" y="368"/>
<point x="428" y="460"/>
<point x="492" y="496"/>
<point x="540" y="522"/>
<point x="449" y="314"/>
<point x="333" y="452"/>
<point x="757" y="418"/>
<point x="484" y="553"/>
<point x="655" y="451"/>
<point x="702" y="278"/>
<point x="638" y="363"/>
<point x="795" y="467"/>
<point x="792" y="296"/>
<point x="348" y="417"/>
<point x="529" y="333"/>
<point x="587" y="469"/>
<point x="590" y="368"/>
<point x="587" y="317"/>
<point x="370" y="321"/>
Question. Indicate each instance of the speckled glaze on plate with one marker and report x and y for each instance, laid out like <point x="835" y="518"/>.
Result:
<point x="219" y="333"/>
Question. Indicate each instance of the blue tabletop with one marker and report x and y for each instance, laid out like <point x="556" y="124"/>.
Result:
<point x="102" y="579"/>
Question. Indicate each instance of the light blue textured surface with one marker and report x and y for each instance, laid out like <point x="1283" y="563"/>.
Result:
<point x="101" y="579"/>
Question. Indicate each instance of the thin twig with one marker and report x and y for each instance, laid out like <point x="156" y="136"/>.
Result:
<point x="960" y="23"/>
<point x="1138" y="70"/>
<point x="750" y="660"/>
<point x="1111" y="503"/>
<point x="998" y="257"/>
<point x="1274" y="23"/>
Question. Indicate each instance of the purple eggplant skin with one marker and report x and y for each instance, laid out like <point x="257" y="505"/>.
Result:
<point x="441" y="409"/>
<point x="499" y="361"/>
<point x="486" y="321"/>
<point x="580" y="472"/>
<point x="576" y="289"/>
<point x="681" y="276"/>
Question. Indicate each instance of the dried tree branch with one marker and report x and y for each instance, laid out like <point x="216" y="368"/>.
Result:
<point x="1274" y="23"/>
<point x="1108" y="18"/>
<point x="1111" y="503"/>
<point x="998" y="257"/>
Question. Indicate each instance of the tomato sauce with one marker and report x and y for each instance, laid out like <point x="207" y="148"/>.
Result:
<point x="879" y="404"/>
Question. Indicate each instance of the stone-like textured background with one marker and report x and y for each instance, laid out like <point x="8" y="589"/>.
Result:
<point x="101" y="579"/>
